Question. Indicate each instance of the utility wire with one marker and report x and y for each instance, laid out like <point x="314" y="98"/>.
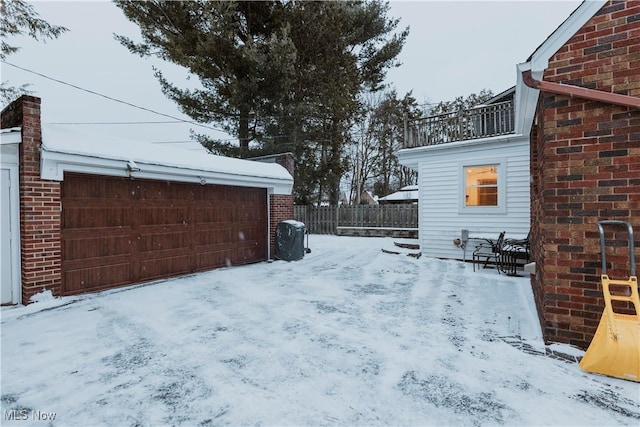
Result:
<point x="175" y="119"/>
<point x="110" y="98"/>
<point x="122" y="123"/>
<point x="189" y="141"/>
<point x="142" y="123"/>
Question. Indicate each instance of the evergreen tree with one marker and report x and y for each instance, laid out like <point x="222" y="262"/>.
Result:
<point x="461" y="103"/>
<point x="284" y="75"/>
<point x="344" y="49"/>
<point x="240" y="51"/>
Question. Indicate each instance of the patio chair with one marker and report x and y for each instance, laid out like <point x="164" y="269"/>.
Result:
<point x="488" y="252"/>
<point x="512" y="251"/>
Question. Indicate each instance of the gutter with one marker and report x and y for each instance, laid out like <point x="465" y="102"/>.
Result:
<point x="53" y="165"/>
<point x="580" y="92"/>
<point x="11" y="135"/>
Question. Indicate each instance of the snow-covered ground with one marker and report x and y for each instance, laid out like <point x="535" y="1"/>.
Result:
<point x="347" y="336"/>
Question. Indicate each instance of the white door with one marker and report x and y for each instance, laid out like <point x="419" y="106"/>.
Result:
<point x="5" y="232"/>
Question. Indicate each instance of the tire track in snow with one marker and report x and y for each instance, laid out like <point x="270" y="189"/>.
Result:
<point x="438" y="305"/>
<point x="171" y="383"/>
<point x="448" y="317"/>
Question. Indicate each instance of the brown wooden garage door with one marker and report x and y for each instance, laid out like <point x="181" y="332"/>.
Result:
<point x="118" y="231"/>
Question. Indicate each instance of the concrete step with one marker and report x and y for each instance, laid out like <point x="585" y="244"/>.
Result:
<point x="409" y="247"/>
<point x="407" y="244"/>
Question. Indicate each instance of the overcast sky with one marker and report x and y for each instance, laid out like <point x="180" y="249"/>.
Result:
<point x="454" y="48"/>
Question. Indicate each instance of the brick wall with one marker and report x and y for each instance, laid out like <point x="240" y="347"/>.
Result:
<point x="40" y="204"/>
<point x="536" y="236"/>
<point x="585" y="168"/>
<point x="280" y="205"/>
<point x="280" y="209"/>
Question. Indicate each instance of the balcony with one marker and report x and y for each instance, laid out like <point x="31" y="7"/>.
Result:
<point x="475" y="123"/>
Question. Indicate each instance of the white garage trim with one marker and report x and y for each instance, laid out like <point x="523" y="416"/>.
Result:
<point x="9" y="146"/>
<point x="64" y="150"/>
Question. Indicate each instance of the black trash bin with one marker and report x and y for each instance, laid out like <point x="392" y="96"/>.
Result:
<point x="290" y="240"/>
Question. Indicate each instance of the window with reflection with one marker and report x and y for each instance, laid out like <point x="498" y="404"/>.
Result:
<point x="481" y="185"/>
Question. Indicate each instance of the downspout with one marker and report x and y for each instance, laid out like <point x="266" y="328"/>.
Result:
<point x="580" y="92"/>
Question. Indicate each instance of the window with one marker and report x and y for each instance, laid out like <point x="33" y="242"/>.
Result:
<point x="481" y="185"/>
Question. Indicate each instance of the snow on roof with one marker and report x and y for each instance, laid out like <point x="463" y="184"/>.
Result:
<point x="64" y="140"/>
<point x="67" y="149"/>
<point x="10" y="135"/>
<point x="10" y="130"/>
<point x="410" y="192"/>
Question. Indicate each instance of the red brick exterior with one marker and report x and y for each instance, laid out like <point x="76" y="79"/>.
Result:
<point x="40" y="204"/>
<point x="585" y="163"/>
<point x="280" y="209"/>
<point x="280" y="205"/>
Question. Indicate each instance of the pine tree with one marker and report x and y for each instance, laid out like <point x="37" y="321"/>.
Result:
<point x="281" y="75"/>
<point x="241" y="53"/>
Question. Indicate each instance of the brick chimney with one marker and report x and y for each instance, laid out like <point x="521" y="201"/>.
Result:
<point x="40" y="204"/>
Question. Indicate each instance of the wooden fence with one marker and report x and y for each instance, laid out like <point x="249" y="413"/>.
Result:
<point x="327" y="219"/>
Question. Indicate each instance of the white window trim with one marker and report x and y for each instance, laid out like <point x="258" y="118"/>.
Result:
<point x="501" y="162"/>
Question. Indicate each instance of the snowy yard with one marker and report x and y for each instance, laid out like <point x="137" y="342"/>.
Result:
<point x="346" y="336"/>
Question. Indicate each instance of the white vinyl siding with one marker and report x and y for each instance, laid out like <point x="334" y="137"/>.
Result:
<point x="442" y="194"/>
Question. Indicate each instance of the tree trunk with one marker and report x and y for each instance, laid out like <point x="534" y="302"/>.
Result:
<point x="243" y="129"/>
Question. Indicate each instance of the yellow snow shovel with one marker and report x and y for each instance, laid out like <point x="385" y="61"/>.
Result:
<point x="615" y="348"/>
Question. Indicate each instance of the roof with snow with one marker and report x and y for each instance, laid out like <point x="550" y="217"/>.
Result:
<point x="10" y="135"/>
<point x="64" y="149"/>
<point x="408" y="194"/>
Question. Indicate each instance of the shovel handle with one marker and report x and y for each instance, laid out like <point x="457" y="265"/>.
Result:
<point x="632" y="261"/>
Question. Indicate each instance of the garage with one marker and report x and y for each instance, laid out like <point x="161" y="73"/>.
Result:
<point x="89" y="212"/>
<point x="118" y="231"/>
